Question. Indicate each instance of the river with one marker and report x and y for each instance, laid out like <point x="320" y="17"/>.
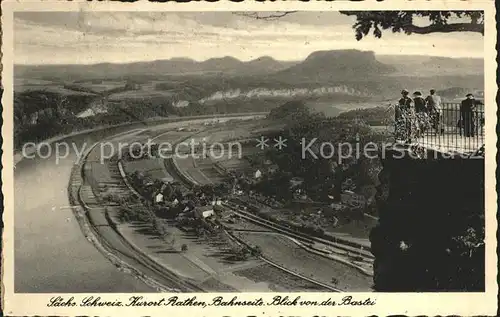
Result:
<point x="51" y="252"/>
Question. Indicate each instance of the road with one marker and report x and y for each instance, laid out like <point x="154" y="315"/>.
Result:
<point x="50" y="252"/>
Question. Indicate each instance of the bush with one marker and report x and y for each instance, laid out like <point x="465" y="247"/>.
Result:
<point x="184" y="247"/>
<point x="256" y="251"/>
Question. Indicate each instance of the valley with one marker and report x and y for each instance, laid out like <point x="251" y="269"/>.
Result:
<point x="329" y="82"/>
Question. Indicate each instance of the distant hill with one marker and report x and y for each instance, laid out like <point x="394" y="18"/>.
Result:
<point x="175" y="66"/>
<point x="337" y="65"/>
<point x="352" y="75"/>
<point x="455" y="93"/>
<point x="268" y="63"/>
<point x="321" y="66"/>
<point x="417" y="65"/>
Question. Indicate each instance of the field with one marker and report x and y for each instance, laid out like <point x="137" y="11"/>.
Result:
<point x="140" y="94"/>
<point x="100" y="172"/>
<point x="103" y="86"/>
<point x="151" y="167"/>
<point x="170" y="85"/>
<point x="20" y="82"/>
<point x="162" y="251"/>
<point x="285" y="252"/>
<point x="278" y="280"/>
<point x="356" y="229"/>
<point x="207" y="260"/>
<point x="241" y="224"/>
<point x="188" y="168"/>
<point x="171" y="137"/>
<point x="54" y="88"/>
<point x="206" y="167"/>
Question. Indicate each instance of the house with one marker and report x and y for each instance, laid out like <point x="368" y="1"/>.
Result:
<point x="257" y="174"/>
<point x="217" y="202"/>
<point x="204" y="211"/>
<point x="350" y="198"/>
<point x="159" y="198"/>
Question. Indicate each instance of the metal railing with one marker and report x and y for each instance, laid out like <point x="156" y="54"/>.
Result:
<point x="450" y="129"/>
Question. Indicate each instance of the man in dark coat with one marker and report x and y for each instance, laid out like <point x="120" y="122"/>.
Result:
<point x="421" y="112"/>
<point x="419" y="102"/>
<point x="403" y="123"/>
<point x="467" y="109"/>
<point x="405" y="101"/>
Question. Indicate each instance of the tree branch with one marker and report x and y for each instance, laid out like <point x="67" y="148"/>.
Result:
<point x="255" y="15"/>
<point x="445" y="28"/>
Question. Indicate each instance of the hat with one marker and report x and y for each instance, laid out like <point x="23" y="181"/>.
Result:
<point x="469" y="95"/>
<point x="417" y="93"/>
<point x="404" y="91"/>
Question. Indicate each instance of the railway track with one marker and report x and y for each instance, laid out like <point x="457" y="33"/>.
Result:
<point x="347" y="246"/>
<point x="176" y="174"/>
<point x="326" y="286"/>
<point x="113" y="242"/>
<point x="297" y="235"/>
<point x="119" y="246"/>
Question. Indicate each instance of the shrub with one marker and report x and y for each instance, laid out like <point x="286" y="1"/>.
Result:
<point x="256" y="251"/>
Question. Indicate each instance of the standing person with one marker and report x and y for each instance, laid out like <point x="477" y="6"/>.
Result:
<point x="403" y="115"/>
<point x="422" y="118"/>
<point x="467" y="108"/>
<point x="405" y="101"/>
<point x="436" y="111"/>
<point x="419" y="102"/>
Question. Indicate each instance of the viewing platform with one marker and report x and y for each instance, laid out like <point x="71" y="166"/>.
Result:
<point x="431" y="195"/>
<point x="449" y="131"/>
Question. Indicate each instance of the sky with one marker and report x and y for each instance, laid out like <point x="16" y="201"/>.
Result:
<point x="120" y="37"/>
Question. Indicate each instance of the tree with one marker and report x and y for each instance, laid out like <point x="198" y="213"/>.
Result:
<point x="404" y="21"/>
<point x="256" y="251"/>
<point x="397" y="21"/>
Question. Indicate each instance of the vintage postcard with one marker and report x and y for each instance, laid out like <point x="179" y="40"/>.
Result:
<point x="249" y="159"/>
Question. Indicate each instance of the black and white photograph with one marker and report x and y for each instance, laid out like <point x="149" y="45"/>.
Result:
<point x="233" y="152"/>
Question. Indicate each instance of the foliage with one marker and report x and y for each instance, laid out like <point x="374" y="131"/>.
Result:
<point x="240" y="252"/>
<point x="376" y="116"/>
<point x="41" y="114"/>
<point x="256" y="251"/>
<point x="404" y="21"/>
<point x="408" y="125"/>
<point x="323" y="175"/>
<point x="136" y="212"/>
<point x="292" y="110"/>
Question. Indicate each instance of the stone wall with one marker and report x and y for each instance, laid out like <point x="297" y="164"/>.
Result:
<point x="431" y="223"/>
